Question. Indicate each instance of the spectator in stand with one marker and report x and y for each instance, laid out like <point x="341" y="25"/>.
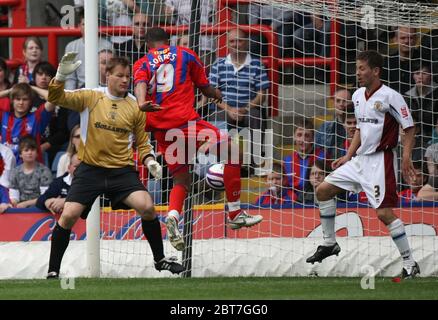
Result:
<point x="5" y="202"/>
<point x="349" y="124"/>
<point x="30" y="179"/>
<point x="277" y="193"/>
<point x="119" y="12"/>
<point x="76" y="80"/>
<point x="243" y="82"/>
<point x="21" y="122"/>
<point x="317" y="174"/>
<point x="105" y="55"/>
<point x="56" y="134"/>
<point x="33" y="54"/>
<point x="314" y="38"/>
<point x="178" y="12"/>
<point x="8" y="163"/>
<point x="431" y="156"/>
<point x="409" y="195"/>
<point x="397" y="68"/>
<point x="53" y="198"/>
<point x="298" y="164"/>
<point x="72" y="149"/>
<point x="332" y="133"/>
<point x="283" y="22"/>
<point x="135" y="48"/>
<point x="422" y="99"/>
<point x="5" y="103"/>
<point x="42" y="74"/>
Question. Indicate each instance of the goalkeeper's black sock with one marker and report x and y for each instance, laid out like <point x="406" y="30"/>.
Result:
<point x="60" y="240"/>
<point x="152" y="232"/>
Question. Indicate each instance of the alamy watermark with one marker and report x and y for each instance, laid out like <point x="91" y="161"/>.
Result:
<point x="368" y="280"/>
<point x="68" y="283"/>
<point x="68" y="17"/>
<point x="206" y="146"/>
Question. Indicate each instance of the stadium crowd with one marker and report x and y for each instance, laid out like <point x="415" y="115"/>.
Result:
<point x="39" y="141"/>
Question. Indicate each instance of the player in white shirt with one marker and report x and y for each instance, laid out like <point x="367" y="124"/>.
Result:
<point x="370" y="163"/>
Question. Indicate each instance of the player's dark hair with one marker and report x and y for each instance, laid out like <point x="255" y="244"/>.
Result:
<point x="277" y="168"/>
<point x="304" y="123"/>
<point x="349" y="111"/>
<point x="421" y="65"/>
<point x="27" y="142"/>
<point x="116" y="61"/>
<point x="420" y="165"/>
<point x="323" y="165"/>
<point x="44" y="67"/>
<point x="79" y="15"/>
<point x="156" y="34"/>
<point x="372" y="58"/>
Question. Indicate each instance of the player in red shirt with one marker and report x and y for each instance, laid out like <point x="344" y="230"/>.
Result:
<point x="164" y="81"/>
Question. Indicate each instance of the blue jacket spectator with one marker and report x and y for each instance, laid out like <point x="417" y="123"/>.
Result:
<point x="314" y="38"/>
<point x="332" y="133"/>
<point x="297" y="165"/>
<point x="53" y="198"/>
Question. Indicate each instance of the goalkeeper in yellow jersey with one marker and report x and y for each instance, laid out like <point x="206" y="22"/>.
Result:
<point x="110" y="123"/>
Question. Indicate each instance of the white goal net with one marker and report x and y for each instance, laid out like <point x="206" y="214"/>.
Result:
<point x="295" y="85"/>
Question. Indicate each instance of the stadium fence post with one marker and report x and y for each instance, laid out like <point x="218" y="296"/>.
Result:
<point x="91" y="19"/>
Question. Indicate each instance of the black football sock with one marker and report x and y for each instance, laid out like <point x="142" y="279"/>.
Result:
<point x="152" y="232"/>
<point x="60" y="240"/>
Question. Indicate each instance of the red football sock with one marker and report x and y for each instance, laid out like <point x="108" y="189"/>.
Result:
<point x="177" y="197"/>
<point x="232" y="188"/>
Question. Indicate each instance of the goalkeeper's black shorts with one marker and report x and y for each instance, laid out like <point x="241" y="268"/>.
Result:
<point x="117" y="184"/>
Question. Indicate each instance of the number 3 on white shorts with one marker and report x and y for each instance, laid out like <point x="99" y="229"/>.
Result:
<point x="165" y="74"/>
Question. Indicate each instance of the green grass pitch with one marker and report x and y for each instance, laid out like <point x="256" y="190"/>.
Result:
<point x="220" y="289"/>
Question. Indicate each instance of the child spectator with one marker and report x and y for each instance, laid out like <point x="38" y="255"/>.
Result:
<point x="54" y="197"/>
<point x="316" y="177"/>
<point x="297" y="165"/>
<point x="21" y="122"/>
<point x="42" y="74"/>
<point x="33" y="53"/>
<point x="277" y="193"/>
<point x="55" y="135"/>
<point x="409" y="195"/>
<point x="30" y="179"/>
<point x="431" y="157"/>
<point x="72" y="149"/>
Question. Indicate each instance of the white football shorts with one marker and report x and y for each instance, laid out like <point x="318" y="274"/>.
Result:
<point x="375" y="173"/>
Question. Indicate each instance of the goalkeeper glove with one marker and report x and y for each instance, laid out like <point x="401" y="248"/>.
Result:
<point x="154" y="168"/>
<point x="67" y="66"/>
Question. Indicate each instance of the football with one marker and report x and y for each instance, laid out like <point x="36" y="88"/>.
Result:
<point x="215" y="177"/>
